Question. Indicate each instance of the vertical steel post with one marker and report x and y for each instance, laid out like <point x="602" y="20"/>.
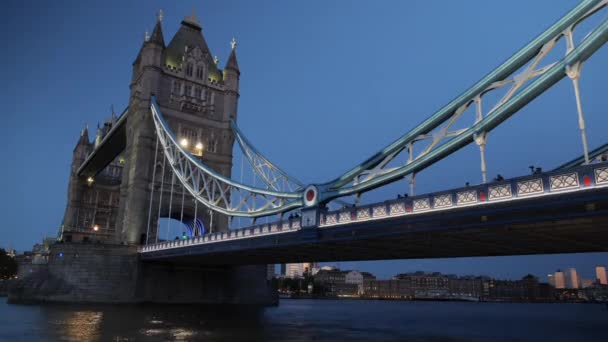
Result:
<point x="170" y="203"/>
<point x="160" y="198"/>
<point x="181" y="215"/>
<point x="194" y="224"/>
<point x="410" y="158"/>
<point x="152" y="190"/>
<point x="210" y="220"/>
<point x="574" y="73"/>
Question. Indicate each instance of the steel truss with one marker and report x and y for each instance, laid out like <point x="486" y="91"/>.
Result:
<point x="212" y="189"/>
<point x="522" y="69"/>
<point x="274" y="178"/>
<point x="522" y="76"/>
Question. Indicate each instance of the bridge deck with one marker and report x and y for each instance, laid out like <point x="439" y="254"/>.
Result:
<point x="556" y="212"/>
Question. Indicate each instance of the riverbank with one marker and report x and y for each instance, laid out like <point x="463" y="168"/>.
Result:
<point x="474" y="300"/>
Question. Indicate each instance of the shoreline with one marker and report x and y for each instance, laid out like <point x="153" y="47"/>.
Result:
<point x="442" y="300"/>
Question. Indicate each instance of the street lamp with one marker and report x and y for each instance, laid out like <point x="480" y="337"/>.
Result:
<point x="96" y="227"/>
<point x="184" y="142"/>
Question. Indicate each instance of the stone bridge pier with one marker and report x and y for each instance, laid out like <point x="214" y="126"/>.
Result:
<point x="103" y="273"/>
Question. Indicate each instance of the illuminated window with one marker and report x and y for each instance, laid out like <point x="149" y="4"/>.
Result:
<point x="189" y="69"/>
<point x="189" y="134"/>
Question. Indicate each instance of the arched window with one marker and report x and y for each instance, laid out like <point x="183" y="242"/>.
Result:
<point x="189" y="69"/>
<point x="199" y="72"/>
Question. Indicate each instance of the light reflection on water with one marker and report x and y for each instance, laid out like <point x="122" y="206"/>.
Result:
<point x="306" y="320"/>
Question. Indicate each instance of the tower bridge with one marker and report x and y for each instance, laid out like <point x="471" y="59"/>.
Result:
<point x="170" y="155"/>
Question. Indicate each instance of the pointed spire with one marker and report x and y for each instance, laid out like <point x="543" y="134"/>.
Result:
<point x="216" y="60"/>
<point x="233" y="43"/>
<point x="113" y="115"/>
<point x="84" y="136"/>
<point x="146" y="36"/>
<point x="232" y="63"/>
<point x="85" y="131"/>
<point x="98" y="136"/>
<point x="157" y="33"/>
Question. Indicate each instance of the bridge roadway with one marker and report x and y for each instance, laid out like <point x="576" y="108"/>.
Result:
<point x="562" y="211"/>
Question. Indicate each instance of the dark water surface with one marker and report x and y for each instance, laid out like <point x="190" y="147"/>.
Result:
<point x="307" y="320"/>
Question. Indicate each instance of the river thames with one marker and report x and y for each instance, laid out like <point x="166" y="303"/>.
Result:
<point x="307" y="320"/>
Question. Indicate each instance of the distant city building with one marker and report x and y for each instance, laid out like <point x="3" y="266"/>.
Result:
<point x="427" y="285"/>
<point x="600" y="275"/>
<point x="559" y="279"/>
<point x="573" y="281"/>
<point x="551" y="279"/>
<point x="283" y="270"/>
<point x="34" y="260"/>
<point x="315" y="268"/>
<point x="298" y="270"/>
<point x="342" y="283"/>
<point x="585" y="283"/>
<point x="526" y="289"/>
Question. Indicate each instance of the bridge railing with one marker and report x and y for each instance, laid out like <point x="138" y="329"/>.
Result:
<point x="278" y="227"/>
<point x="544" y="184"/>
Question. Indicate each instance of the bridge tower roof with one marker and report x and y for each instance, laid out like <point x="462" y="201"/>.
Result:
<point x="157" y="33"/>
<point x="189" y="37"/>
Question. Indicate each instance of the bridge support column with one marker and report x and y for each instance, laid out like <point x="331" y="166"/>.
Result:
<point x="198" y="284"/>
<point x="136" y="187"/>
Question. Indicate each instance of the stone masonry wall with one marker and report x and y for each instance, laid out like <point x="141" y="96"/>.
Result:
<point x="104" y="273"/>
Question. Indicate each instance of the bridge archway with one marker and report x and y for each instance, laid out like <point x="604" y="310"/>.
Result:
<point x="171" y="228"/>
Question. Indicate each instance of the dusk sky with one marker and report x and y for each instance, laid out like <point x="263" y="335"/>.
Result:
<point x="324" y="85"/>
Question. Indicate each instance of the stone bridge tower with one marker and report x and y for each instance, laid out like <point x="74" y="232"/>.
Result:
<point x="198" y="100"/>
<point x="114" y="182"/>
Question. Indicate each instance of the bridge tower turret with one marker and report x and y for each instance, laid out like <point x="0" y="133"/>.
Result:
<point x="76" y="185"/>
<point x="232" y="75"/>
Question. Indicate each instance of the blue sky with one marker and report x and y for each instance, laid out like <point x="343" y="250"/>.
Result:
<point x="324" y="84"/>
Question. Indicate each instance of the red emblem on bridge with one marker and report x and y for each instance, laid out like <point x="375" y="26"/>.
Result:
<point x="587" y="180"/>
<point x="310" y="195"/>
